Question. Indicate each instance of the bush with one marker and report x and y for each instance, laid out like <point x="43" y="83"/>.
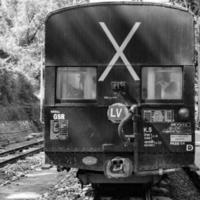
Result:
<point x="17" y="99"/>
<point x="15" y="89"/>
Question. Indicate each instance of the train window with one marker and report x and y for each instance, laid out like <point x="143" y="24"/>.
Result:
<point x="76" y="83"/>
<point x="162" y="83"/>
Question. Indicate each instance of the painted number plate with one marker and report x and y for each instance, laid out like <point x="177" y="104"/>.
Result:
<point x="158" y="115"/>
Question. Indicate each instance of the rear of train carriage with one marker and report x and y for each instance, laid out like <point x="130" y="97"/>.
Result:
<point x="119" y="90"/>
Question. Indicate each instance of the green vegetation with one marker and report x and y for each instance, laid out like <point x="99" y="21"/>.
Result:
<point x="22" y="55"/>
<point x="22" y="47"/>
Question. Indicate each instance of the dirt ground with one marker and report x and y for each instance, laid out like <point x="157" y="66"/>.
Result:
<point x="31" y="186"/>
<point x="32" y="179"/>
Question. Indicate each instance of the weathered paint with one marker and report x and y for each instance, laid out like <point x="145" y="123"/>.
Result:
<point x="74" y="37"/>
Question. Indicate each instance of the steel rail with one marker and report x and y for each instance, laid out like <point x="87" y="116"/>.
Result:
<point x="21" y="156"/>
<point x="25" y="146"/>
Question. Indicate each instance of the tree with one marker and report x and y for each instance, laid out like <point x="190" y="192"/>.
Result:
<point x="22" y="39"/>
<point x="192" y="5"/>
<point x="22" y="34"/>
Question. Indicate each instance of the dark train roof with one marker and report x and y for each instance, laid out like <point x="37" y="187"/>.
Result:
<point x="114" y="3"/>
<point x="75" y="35"/>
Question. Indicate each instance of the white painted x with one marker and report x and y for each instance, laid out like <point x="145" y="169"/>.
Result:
<point x="119" y="51"/>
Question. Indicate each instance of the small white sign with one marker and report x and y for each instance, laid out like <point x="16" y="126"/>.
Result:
<point x="116" y="112"/>
<point x="189" y="147"/>
<point x="158" y="116"/>
<point x="89" y="160"/>
<point x="181" y="138"/>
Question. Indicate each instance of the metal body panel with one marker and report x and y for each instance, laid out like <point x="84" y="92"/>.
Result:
<point x="74" y="36"/>
<point x="50" y="77"/>
<point x="147" y="162"/>
<point x="88" y="129"/>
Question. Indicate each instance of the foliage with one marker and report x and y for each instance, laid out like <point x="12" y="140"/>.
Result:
<point x="22" y="47"/>
<point x="15" y="89"/>
<point x="192" y="5"/>
<point x="22" y="34"/>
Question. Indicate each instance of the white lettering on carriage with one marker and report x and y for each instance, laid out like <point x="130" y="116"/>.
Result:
<point x="115" y="112"/>
<point x="58" y="116"/>
<point x="119" y="51"/>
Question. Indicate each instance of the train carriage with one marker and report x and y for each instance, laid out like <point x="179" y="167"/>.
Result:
<point x="119" y="97"/>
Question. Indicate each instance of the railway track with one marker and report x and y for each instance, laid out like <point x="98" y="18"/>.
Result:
<point x="13" y="154"/>
<point x="194" y="177"/>
<point x="128" y="192"/>
<point x="181" y="185"/>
